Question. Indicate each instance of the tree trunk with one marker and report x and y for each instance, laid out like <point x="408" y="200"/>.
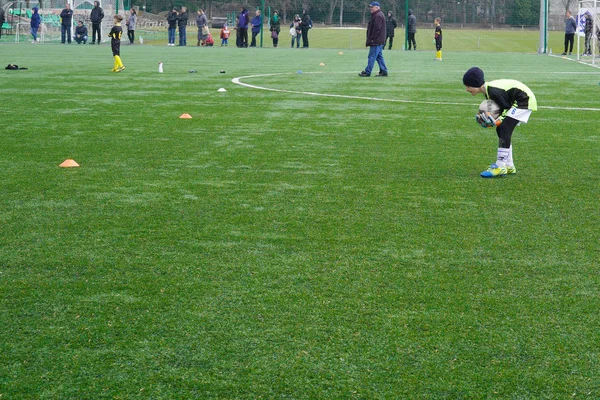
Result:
<point x="332" y="5"/>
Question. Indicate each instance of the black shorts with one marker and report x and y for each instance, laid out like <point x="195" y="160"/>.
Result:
<point x="116" y="48"/>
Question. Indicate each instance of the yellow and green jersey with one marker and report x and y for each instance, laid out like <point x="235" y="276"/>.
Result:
<point x="510" y="93"/>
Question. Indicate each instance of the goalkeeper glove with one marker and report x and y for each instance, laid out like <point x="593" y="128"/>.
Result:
<point x="487" y="121"/>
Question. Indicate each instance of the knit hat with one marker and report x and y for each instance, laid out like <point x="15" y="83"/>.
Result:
<point x="473" y="77"/>
<point x="374" y="4"/>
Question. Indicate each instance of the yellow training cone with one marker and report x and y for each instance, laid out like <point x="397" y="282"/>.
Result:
<point x="340" y="53"/>
<point x="186" y="116"/>
<point x="68" y="163"/>
<point x="322" y="65"/>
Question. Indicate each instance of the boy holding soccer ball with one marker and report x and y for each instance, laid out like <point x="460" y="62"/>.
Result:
<point x="516" y="102"/>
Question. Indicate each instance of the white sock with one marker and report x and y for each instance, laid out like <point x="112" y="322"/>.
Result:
<point x="502" y="156"/>
<point x="509" y="161"/>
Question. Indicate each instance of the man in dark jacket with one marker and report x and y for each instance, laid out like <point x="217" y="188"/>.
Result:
<point x="182" y="22"/>
<point x="570" y="29"/>
<point x="390" y="25"/>
<point x="96" y="17"/>
<point x="1" y="20"/>
<point x="66" y="19"/>
<point x="588" y="30"/>
<point x="172" y="19"/>
<point x="375" y="41"/>
<point x="81" y="33"/>
<point x="412" y="29"/>
<point x="305" y="25"/>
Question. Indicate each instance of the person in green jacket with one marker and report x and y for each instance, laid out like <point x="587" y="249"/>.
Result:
<point x="275" y="28"/>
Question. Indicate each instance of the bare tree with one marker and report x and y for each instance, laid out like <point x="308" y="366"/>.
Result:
<point x="332" y="6"/>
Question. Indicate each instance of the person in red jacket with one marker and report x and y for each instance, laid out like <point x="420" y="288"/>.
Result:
<point x="376" y="35"/>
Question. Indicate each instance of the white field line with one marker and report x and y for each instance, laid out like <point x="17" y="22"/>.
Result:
<point x="238" y="81"/>
<point x="575" y="60"/>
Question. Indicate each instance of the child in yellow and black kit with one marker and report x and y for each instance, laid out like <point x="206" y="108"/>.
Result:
<point x="115" y="43"/>
<point x="438" y="39"/>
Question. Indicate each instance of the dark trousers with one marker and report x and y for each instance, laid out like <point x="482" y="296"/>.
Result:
<point x="131" y="35"/>
<point x="588" y="43"/>
<point x="65" y="32"/>
<point x="411" y="40"/>
<point x="182" y="36"/>
<point x="569" y="40"/>
<point x="253" y="43"/>
<point x="243" y="37"/>
<point x="304" y="37"/>
<point x="96" y="32"/>
<point x="389" y="41"/>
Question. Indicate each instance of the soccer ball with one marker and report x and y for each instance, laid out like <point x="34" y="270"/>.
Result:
<point x="490" y="107"/>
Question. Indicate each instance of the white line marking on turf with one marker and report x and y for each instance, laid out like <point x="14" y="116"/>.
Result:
<point x="575" y="60"/>
<point x="238" y="81"/>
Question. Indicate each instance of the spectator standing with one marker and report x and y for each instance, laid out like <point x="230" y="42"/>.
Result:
<point x="244" y="19"/>
<point x="375" y="41"/>
<point x="437" y="36"/>
<point x="96" y="17"/>
<point x="296" y="30"/>
<point x="131" y="22"/>
<point x="172" y="18"/>
<point x="256" y="27"/>
<point x="390" y="25"/>
<point x="1" y="20"/>
<point x="66" y="19"/>
<point x="202" y="24"/>
<point x="35" y="23"/>
<point x="182" y="22"/>
<point x="81" y="33"/>
<point x="588" y="30"/>
<point x="275" y="28"/>
<point x="570" y="28"/>
<point x="412" y="30"/>
<point x="224" y="35"/>
<point x="304" y="27"/>
<point x="238" y="35"/>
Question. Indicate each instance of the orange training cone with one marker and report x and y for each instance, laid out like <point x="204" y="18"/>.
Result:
<point x="68" y="163"/>
<point x="186" y="116"/>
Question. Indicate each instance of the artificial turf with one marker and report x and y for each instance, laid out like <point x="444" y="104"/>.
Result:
<point x="282" y="244"/>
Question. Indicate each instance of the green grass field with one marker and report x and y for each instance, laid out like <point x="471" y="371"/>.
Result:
<point x="287" y="244"/>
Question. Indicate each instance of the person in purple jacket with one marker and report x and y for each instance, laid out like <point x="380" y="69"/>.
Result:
<point x="243" y="27"/>
<point x="376" y="35"/>
<point x="36" y="21"/>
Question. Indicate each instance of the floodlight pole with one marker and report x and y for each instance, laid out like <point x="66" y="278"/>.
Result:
<point x="341" y="13"/>
<point x="543" y="46"/>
